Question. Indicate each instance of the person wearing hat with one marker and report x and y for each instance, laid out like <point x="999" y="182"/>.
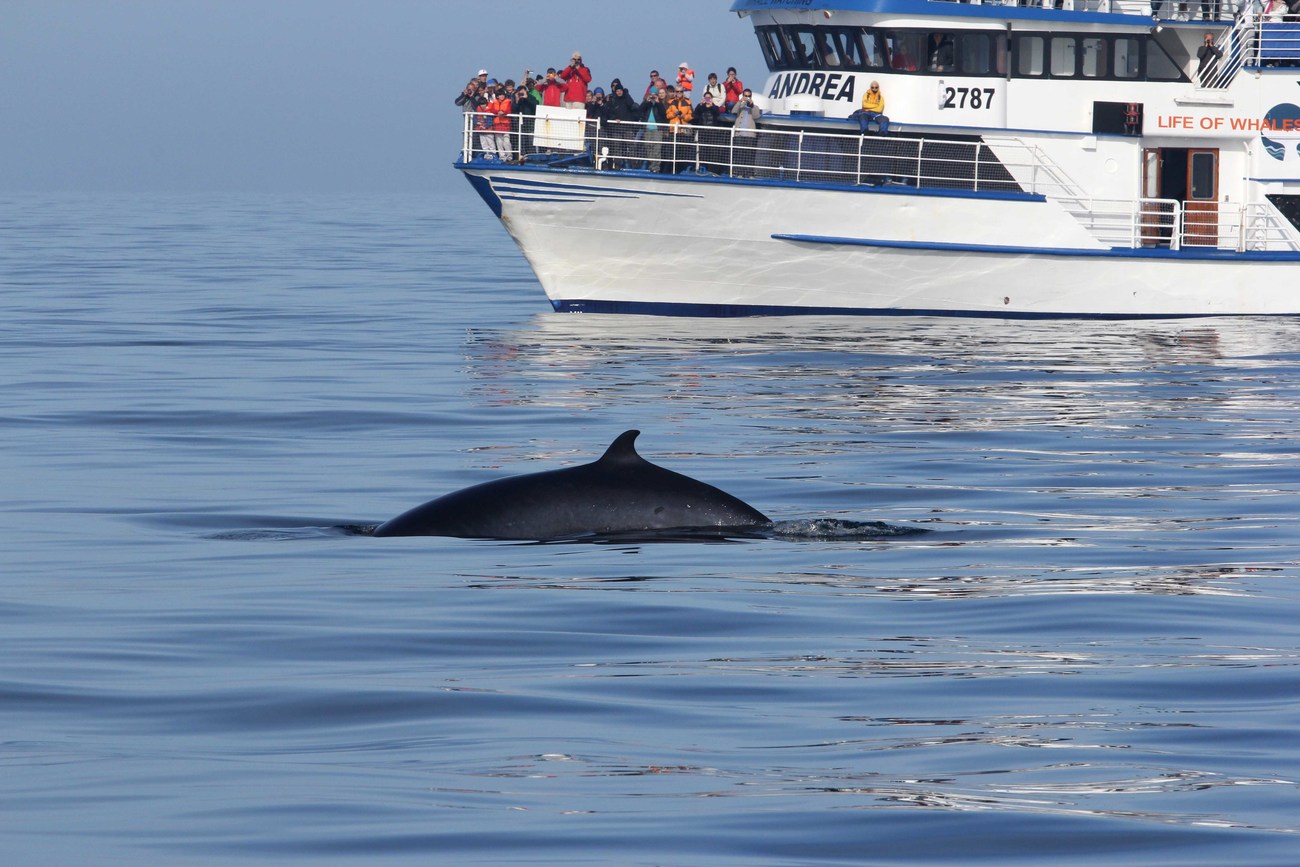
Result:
<point x="482" y="77"/>
<point x="621" y="112"/>
<point x="552" y="89"/>
<point x="596" y="104"/>
<point x="576" y="77"/>
<point x="685" y="78"/>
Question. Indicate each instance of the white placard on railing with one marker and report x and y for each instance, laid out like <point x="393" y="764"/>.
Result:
<point x="559" y="128"/>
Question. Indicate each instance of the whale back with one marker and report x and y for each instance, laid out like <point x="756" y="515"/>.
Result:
<point x="619" y="493"/>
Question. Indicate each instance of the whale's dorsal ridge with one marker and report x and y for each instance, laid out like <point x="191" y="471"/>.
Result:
<point x="623" y="450"/>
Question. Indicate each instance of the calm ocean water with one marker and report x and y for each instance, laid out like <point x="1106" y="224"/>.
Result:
<point x="1091" y="656"/>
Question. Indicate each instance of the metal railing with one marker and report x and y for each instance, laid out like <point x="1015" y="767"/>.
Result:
<point x="1255" y="43"/>
<point x="814" y="157"/>
<point x="798" y="155"/>
<point x="1177" y="225"/>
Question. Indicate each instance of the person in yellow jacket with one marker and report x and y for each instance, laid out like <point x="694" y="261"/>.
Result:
<point x="873" y="109"/>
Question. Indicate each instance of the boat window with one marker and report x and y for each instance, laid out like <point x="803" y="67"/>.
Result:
<point x="940" y="52"/>
<point x="769" y="43"/>
<point x="906" y="50"/>
<point x="845" y="45"/>
<point x="875" y="51"/>
<point x="1159" y="65"/>
<point x="1128" y="56"/>
<point x="1094" y="57"/>
<point x="1064" y="49"/>
<point x="1029" y="55"/>
<point x="803" y="47"/>
<point x="974" y="54"/>
<point x="1203" y="176"/>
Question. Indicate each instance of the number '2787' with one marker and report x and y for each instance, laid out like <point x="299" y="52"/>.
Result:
<point x="967" y="97"/>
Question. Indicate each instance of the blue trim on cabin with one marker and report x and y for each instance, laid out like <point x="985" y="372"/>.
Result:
<point x="615" y="176"/>
<point x="1193" y="254"/>
<point x="727" y="311"/>
<point x="942" y="9"/>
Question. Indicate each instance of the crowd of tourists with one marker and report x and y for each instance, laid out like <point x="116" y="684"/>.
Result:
<point x="666" y="128"/>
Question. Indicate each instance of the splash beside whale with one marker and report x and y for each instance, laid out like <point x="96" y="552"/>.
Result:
<point x="621" y="493"/>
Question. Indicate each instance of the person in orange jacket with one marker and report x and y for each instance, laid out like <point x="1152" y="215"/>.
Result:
<point x="685" y="78"/>
<point x="682" y="144"/>
<point x="500" y="107"/>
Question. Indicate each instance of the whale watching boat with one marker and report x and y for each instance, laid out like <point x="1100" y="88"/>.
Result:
<point x="1078" y="158"/>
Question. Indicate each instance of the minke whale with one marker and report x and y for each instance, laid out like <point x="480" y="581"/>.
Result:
<point x="618" y="494"/>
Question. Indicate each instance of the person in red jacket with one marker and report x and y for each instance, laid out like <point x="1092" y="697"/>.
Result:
<point x="552" y="90"/>
<point x="734" y="88"/>
<point x="576" y="77"/>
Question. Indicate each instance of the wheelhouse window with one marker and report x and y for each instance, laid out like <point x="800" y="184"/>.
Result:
<point x="1030" y="52"/>
<point x="965" y="52"/>
<point x="1093" y="57"/>
<point x="1128" y="58"/>
<point x="981" y="54"/>
<point x="906" y="50"/>
<point x="803" y="47"/>
<point x="1064" y="56"/>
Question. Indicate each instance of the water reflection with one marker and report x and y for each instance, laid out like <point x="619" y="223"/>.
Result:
<point x="909" y="372"/>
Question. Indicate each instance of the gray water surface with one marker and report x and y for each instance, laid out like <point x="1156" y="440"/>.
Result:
<point x="1090" y="657"/>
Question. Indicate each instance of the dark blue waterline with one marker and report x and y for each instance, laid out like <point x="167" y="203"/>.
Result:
<point x="728" y="311"/>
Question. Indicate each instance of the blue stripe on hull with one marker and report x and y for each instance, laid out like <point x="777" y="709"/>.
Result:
<point x="1187" y="253"/>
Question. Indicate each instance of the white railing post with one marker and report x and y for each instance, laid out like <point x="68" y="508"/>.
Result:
<point x="798" y="157"/>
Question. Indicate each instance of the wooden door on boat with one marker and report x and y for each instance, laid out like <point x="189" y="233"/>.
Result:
<point x="1201" y="206"/>
<point x="1188" y="176"/>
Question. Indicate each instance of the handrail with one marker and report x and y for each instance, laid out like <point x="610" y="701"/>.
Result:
<point x="1004" y="165"/>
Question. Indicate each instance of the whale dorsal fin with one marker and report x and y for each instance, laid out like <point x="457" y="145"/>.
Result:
<point x="623" y="450"/>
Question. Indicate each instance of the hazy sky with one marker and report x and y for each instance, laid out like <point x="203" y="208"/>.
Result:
<point x="301" y="95"/>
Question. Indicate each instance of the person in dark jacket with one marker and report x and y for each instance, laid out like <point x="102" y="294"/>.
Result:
<point x="655" y="116"/>
<point x="1207" y="56"/>
<point x="596" y="105"/>
<point x="526" y="107"/>
<point x="711" y="137"/>
<point x="621" y="112"/>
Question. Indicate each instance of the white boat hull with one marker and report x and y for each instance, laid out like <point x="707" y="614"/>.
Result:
<point x="637" y="242"/>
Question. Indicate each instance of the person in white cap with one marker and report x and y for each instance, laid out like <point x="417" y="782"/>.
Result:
<point x="576" y="77"/>
<point x="685" y="78"/>
<point x="482" y="78"/>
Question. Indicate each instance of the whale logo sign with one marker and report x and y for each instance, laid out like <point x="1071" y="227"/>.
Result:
<point x="1280" y="118"/>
